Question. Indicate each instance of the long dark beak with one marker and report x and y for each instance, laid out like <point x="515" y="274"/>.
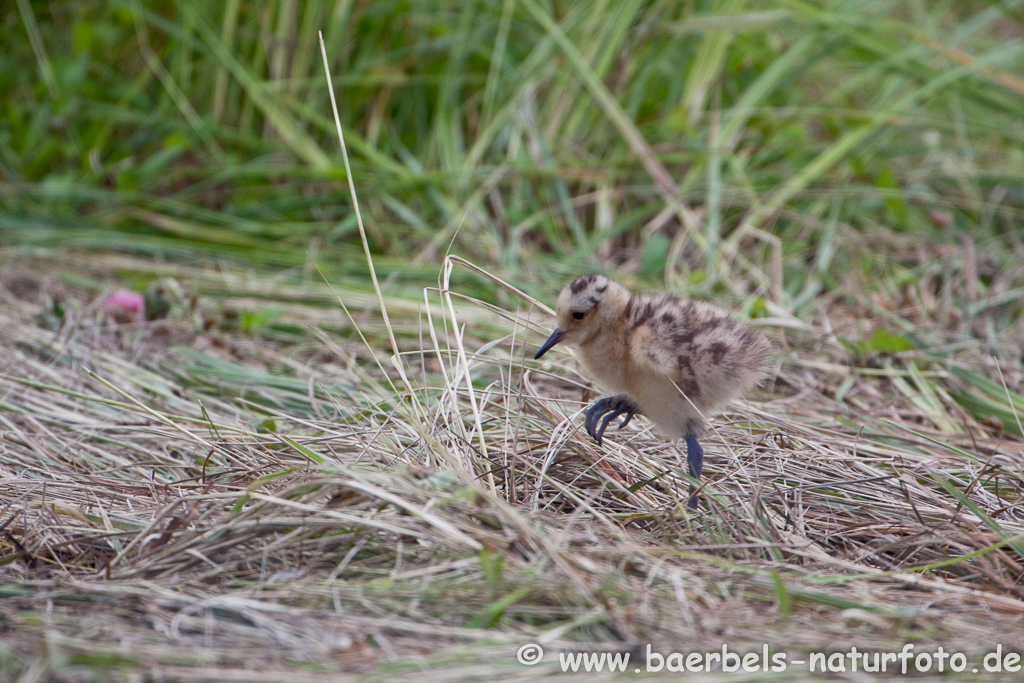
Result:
<point x="556" y="336"/>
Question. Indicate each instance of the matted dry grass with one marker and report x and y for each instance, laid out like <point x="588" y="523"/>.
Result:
<point x="189" y="502"/>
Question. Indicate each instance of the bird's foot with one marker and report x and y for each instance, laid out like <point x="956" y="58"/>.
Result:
<point x="608" y="409"/>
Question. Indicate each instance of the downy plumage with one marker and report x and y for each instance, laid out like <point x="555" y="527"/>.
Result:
<point x="672" y="360"/>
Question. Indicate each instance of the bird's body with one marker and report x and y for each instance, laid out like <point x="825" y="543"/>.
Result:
<point x="670" y="359"/>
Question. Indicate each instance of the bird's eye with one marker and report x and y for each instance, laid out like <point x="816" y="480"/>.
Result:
<point x="578" y="315"/>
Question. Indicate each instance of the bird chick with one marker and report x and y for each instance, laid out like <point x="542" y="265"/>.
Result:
<point x="673" y="360"/>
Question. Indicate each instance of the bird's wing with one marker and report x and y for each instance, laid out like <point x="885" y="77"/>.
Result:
<point x="702" y="349"/>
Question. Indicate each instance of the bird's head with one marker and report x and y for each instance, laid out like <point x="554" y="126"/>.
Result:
<point x="588" y="306"/>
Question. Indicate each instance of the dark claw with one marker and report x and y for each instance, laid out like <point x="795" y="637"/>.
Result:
<point x="609" y="409"/>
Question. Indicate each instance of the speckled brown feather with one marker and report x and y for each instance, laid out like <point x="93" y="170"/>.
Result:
<point x="677" y="360"/>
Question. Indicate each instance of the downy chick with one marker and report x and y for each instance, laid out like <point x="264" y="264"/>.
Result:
<point x="670" y="359"/>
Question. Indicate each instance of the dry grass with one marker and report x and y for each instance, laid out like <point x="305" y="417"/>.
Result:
<point x="193" y="502"/>
<point x="282" y="479"/>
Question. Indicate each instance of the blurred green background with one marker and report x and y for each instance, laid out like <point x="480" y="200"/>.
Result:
<point x="780" y="149"/>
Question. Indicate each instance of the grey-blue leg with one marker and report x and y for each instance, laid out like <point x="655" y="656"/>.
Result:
<point x="694" y="465"/>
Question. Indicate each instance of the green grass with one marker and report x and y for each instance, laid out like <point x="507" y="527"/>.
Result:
<point x="528" y="140"/>
<point x="231" y="478"/>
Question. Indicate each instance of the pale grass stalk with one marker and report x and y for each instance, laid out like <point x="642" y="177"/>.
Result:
<point x="464" y="364"/>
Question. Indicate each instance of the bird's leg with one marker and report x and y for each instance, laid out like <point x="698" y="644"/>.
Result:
<point x="608" y="408"/>
<point x="694" y="464"/>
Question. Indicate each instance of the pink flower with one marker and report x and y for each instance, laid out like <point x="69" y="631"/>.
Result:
<point x="125" y="303"/>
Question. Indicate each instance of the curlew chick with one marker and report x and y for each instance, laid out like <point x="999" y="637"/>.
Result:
<point x="672" y="360"/>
